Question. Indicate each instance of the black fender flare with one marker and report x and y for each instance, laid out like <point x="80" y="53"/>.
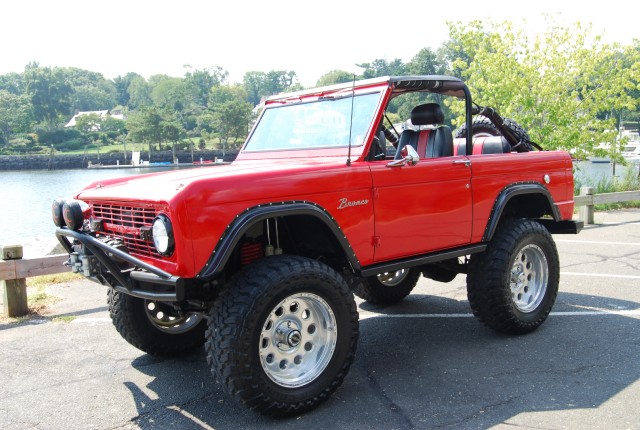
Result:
<point x="243" y="221"/>
<point x="507" y="194"/>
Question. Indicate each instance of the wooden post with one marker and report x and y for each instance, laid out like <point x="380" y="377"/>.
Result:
<point x="586" y="211"/>
<point x="14" y="291"/>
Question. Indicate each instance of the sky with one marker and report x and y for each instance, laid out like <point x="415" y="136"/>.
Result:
<point x="115" y="37"/>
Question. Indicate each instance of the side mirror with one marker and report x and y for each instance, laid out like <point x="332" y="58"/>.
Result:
<point x="409" y="156"/>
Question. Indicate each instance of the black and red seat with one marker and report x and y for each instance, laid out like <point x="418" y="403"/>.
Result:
<point x="432" y="142"/>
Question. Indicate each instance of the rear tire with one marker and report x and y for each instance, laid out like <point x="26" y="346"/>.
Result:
<point x="482" y="126"/>
<point x="154" y="327"/>
<point x="283" y="334"/>
<point x="387" y="288"/>
<point x="513" y="285"/>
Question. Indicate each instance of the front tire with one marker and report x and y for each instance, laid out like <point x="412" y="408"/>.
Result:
<point x="154" y="327"/>
<point x="283" y="334"/>
<point x="513" y="285"/>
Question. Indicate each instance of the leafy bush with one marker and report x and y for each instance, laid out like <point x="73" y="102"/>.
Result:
<point x="72" y="144"/>
<point x="57" y="137"/>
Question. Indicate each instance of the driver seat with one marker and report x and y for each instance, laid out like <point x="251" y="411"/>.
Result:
<point x="429" y="143"/>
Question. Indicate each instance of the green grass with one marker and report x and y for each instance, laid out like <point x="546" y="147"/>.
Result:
<point x="38" y="299"/>
<point x="59" y="278"/>
<point x="63" y="319"/>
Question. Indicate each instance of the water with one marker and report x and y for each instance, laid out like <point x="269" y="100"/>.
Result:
<point x="25" y="208"/>
<point x="25" y="205"/>
<point x="589" y="174"/>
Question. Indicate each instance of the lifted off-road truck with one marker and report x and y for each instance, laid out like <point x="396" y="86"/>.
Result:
<point x="259" y="260"/>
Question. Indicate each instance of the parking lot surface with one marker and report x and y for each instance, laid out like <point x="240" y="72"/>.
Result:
<point x="424" y="363"/>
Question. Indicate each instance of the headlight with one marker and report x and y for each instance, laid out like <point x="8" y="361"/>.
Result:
<point x="162" y="233"/>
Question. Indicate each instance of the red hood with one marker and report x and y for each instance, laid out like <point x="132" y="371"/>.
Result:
<point x="228" y="180"/>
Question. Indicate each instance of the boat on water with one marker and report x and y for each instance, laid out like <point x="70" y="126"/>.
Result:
<point x="631" y="152"/>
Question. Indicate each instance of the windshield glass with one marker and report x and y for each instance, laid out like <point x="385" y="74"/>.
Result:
<point x="314" y="125"/>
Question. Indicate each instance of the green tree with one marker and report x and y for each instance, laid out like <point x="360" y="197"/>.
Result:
<point x="50" y="93"/>
<point x="169" y="93"/>
<point x="12" y="82"/>
<point x="90" y="123"/>
<point x="630" y="117"/>
<point x="230" y="114"/>
<point x="171" y="130"/>
<point x="114" y="125"/>
<point x="16" y="115"/>
<point x="253" y="85"/>
<point x="91" y="91"/>
<point x="260" y="84"/>
<point x="334" y="77"/>
<point x="200" y="82"/>
<point x="426" y="62"/>
<point x="381" y="67"/>
<point x="556" y="84"/>
<point x="154" y="125"/>
<point x="121" y="84"/>
<point x="144" y="126"/>
<point x="90" y="126"/>
<point x="139" y="93"/>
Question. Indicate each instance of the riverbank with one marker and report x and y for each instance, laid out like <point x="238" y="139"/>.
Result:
<point x="81" y="161"/>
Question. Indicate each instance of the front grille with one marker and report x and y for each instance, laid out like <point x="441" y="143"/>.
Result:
<point x="124" y="222"/>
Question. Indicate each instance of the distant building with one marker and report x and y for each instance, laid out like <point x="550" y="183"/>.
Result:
<point x="116" y="113"/>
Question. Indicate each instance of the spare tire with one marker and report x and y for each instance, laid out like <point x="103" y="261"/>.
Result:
<point x="482" y="126"/>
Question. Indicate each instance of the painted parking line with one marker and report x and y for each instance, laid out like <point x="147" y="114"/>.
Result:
<point x="83" y="320"/>
<point x="598" y="242"/>
<point x="635" y="313"/>
<point x="620" y="223"/>
<point x="598" y="275"/>
<point x="196" y="420"/>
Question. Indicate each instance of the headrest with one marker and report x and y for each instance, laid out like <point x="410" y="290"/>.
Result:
<point x="427" y="114"/>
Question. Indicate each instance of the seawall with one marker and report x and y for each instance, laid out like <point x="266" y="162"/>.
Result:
<point x="80" y="161"/>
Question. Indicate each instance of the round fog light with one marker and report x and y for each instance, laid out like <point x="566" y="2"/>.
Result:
<point x="56" y="212"/>
<point x="162" y="233"/>
<point x="72" y="214"/>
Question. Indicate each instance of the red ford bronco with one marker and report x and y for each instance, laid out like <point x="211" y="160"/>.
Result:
<point x="259" y="260"/>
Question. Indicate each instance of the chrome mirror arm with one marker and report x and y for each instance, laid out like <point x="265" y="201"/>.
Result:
<point x="410" y="156"/>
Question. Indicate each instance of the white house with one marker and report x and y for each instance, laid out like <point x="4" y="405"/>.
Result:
<point x="101" y="113"/>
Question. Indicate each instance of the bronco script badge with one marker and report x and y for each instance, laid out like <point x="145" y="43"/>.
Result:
<point x="344" y="203"/>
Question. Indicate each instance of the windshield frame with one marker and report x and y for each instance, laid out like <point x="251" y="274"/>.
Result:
<point x="337" y="113"/>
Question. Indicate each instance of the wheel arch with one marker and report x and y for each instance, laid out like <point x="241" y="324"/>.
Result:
<point x="523" y="200"/>
<point x="295" y="210"/>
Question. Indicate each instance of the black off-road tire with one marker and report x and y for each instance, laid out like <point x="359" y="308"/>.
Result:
<point x="375" y="290"/>
<point x="260" y="342"/>
<point x="513" y="285"/>
<point x="482" y="125"/>
<point x="130" y="317"/>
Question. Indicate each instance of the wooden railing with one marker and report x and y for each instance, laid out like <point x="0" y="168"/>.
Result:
<point x="586" y="201"/>
<point x="14" y="270"/>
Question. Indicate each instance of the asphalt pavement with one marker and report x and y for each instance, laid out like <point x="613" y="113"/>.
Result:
<point x="424" y="363"/>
